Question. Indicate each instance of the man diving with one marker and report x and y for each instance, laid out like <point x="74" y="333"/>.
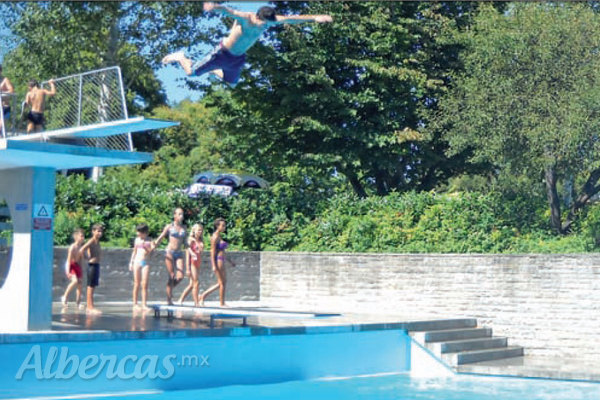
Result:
<point x="227" y="59"/>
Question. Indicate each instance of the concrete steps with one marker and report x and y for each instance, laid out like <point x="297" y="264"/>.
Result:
<point x="461" y="341"/>
<point x="446" y="335"/>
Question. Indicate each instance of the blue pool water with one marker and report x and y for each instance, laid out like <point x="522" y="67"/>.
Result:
<point x="394" y="387"/>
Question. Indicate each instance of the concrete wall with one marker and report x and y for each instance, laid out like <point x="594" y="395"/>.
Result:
<point x="550" y="304"/>
<point x="116" y="279"/>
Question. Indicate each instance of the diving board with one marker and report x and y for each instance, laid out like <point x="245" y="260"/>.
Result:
<point x="236" y="312"/>
<point x="99" y="130"/>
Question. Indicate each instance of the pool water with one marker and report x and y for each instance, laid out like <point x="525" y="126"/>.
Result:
<point x="394" y="387"/>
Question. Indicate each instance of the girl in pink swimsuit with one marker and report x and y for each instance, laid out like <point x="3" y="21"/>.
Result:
<point x="193" y="261"/>
<point x="217" y="259"/>
<point x="142" y="247"/>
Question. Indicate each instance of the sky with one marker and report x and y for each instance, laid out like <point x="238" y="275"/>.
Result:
<point x="171" y="76"/>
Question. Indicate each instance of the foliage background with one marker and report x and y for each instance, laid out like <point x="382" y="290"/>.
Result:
<point x="401" y="127"/>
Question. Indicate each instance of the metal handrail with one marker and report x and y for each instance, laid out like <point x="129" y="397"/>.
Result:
<point x="90" y="97"/>
<point x="62" y="78"/>
<point x="86" y="98"/>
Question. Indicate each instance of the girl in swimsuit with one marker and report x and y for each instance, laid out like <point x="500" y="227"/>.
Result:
<point x="217" y="259"/>
<point x="193" y="261"/>
<point x="174" y="252"/>
<point x="142" y="247"/>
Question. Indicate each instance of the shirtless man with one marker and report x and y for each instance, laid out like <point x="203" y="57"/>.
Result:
<point x="227" y="60"/>
<point x="36" y="99"/>
<point x="5" y="87"/>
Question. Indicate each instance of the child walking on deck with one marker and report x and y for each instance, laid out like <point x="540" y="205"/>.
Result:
<point x="73" y="268"/>
<point x="142" y="247"/>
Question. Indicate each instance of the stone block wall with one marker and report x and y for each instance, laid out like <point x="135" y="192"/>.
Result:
<point x="550" y="304"/>
<point x="116" y="280"/>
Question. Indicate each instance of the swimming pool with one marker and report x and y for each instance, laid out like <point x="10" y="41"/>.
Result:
<point x="392" y="387"/>
<point x="376" y="361"/>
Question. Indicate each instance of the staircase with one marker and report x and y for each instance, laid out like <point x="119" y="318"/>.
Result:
<point x="461" y="341"/>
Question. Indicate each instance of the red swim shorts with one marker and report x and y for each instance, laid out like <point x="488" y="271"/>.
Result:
<point x="75" y="269"/>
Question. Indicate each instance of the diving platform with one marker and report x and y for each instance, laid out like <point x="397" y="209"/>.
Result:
<point x="69" y="148"/>
<point x="22" y="154"/>
<point x="98" y="130"/>
<point x="242" y="313"/>
<point x="86" y="125"/>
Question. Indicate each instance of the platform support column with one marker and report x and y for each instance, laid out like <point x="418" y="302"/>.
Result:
<point x="26" y="295"/>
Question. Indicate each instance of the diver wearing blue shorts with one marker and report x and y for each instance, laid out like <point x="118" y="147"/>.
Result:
<point x="227" y="60"/>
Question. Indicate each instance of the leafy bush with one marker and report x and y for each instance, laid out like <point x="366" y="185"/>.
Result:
<point x="455" y="223"/>
<point x="287" y="218"/>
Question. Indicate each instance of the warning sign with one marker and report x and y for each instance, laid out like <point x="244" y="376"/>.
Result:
<point x="42" y="217"/>
<point x="42" y="224"/>
<point x="42" y="210"/>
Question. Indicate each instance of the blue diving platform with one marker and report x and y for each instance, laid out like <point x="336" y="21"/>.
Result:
<point x="17" y="154"/>
<point x="89" y="127"/>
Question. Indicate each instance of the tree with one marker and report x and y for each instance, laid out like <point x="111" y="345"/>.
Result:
<point x="348" y="98"/>
<point x="62" y="38"/>
<point x="528" y="100"/>
<point x="183" y="150"/>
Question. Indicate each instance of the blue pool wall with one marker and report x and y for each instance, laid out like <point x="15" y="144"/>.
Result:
<point x="238" y="358"/>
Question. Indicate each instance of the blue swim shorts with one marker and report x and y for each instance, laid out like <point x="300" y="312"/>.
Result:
<point x="222" y="59"/>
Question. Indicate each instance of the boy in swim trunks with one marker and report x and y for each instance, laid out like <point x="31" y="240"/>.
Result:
<point x="36" y="99"/>
<point x="93" y="250"/>
<point x="5" y="87"/>
<point x="228" y="59"/>
<point x="73" y="267"/>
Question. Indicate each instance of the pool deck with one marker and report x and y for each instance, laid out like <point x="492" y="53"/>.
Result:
<point x="118" y="321"/>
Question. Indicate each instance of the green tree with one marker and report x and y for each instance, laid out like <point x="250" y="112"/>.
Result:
<point x="348" y="98"/>
<point x="183" y="150"/>
<point x="62" y="38"/>
<point x="528" y="100"/>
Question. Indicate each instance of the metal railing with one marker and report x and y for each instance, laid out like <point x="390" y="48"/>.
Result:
<point x="89" y="98"/>
<point x="8" y="124"/>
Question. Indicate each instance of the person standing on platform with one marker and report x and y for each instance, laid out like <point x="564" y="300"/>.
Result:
<point x="5" y="88"/>
<point x="36" y="100"/>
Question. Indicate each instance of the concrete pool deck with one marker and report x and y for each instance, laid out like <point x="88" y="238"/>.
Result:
<point x="118" y="321"/>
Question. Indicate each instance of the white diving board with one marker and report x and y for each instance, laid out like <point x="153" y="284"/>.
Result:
<point x="104" y="129"/>
<point x="235" y="312"/>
